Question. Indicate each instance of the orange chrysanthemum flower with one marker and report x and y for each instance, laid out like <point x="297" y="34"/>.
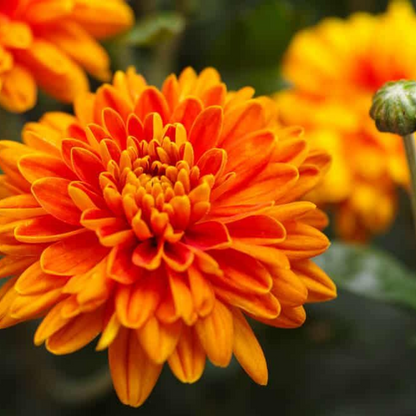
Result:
<point x="50" y="42"/>
<point x="335" y="68"/>
<point x="158" y="219"/>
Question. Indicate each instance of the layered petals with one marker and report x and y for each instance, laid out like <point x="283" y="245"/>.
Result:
<point x="157" y="221"/>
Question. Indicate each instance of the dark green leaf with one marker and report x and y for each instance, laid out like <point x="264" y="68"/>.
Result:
<point x="371" y="273"/>
<point x="155" y="29"/>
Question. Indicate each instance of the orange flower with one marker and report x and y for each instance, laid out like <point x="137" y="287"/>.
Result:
<point x="49" y="43"/>
<point x="158" y="219"/>
<point x="335" y="68"/>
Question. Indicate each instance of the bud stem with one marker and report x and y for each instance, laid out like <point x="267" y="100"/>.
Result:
<point x="410" y="146"/>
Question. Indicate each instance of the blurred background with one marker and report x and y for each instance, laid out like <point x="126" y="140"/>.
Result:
<point x="355" y="356"/>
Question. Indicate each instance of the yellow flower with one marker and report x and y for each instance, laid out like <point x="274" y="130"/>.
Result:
<point x="49" y="43"/>
<point x="335" y="69"/>
<point x="159" y="219"/>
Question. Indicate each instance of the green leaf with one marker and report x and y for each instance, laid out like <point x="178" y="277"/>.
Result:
<point x="157" y="28"/>
<point x="370" y="272"/>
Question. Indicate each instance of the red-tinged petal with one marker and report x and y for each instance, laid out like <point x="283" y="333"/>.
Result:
<point x="115" y="126"/>
<point x="170" y="90"/>
<point x="108" y="96"/>
<point x="38" y="165"/>
<point x="302" y="241"/>
<point x="135" y="127"/>
<point x="217" y="335"/>
<point x="34" y="281"/>
<point x="288" y="287"/>
<point x="87" y="166"/>
<point x="95" y="219"/>
<point x="159" y="340"/>
<point x="76" y="334"/>
<point x="288" y="318"/>
<point x="136" y="303"/>
<point x="21" y="206"/>
<point x="14" y="265"/>
<point x="203" y="295"/>
<point x="74" y="255"/>
<point x="30" y="306"/>
<point x="120" y="266"/>
<point x="177" y="256"/>
<point x="134" y="374"/>
<point x="317" y="219"/>
<point x="214" y="95"/>
<point x="45" y="230"/>
<point x="52" y="195"/>
<point x="320" y="287"/>
<point x="182" y="298"/>
<point x="213" y="162"/>
<point x="264" y="306"/>
<point x="257" y="229"/>
<point x="109" y="151"/>
<point x="206" y="130"/>
<point x="270" y="256"/>
<point x="240" y="121"/>
<point x="187" y="362"/>
<point x="248" y="351"/>
<point x="152" y="127"/>
<point x="67" y="146"/>
<point x="208" y="235"/>
<point x="84" y="197"/>
<point x="243" y="272"/>
<point x="187" y="112"/>
<point x="152" y="101"/>
<point x="148" y="255"/>
<point x="95" y="135"/>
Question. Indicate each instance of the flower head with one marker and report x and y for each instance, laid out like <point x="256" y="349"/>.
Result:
<point x="336" y="68"/>
<point x="50" y="43"/>
<point x="158" y="220"/>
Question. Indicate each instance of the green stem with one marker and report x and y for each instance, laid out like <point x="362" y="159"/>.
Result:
<point x="410" y="146"/>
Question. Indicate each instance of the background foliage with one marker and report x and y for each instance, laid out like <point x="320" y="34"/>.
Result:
<point x="354" y="356"/>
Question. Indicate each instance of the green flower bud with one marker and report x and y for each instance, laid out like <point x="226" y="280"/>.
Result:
<point x="394" y="107"/>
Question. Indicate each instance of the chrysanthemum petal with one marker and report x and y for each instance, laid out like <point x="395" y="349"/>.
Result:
<point x="74" y="255"/>
<point x="134" y="375"/>
<point x="34" y="281"/>
<point x="54" y="71"/>
<point x="38" y="165"/>
<point x="288" y="318"/>
<point x="288" y="287"/>
<point x="187" y="362"/>
<point x="320" y="286"/>
<point x="206" y="130"/>
<point x="30" y="306"/>
<point x="187" y="112"/>
<point x="136" y="303"/>
<point x="216" y="334"/>
<point x="79" y="332"/>
<point x="158" y="339"/>
<point x="14" y="265"/>
<point x="182" y="298"/>
<point x="203" y="296"/>
<point x="52" y="195"/>
<point x="248" y="351"/>
<point x="18" y="90"/>
<point x="21" y="206"/>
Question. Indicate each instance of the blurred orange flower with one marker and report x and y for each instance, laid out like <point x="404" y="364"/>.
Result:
<point x="335" y="68"/>
<point x="50" y="42"/>
<point x="158" y="219"/>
